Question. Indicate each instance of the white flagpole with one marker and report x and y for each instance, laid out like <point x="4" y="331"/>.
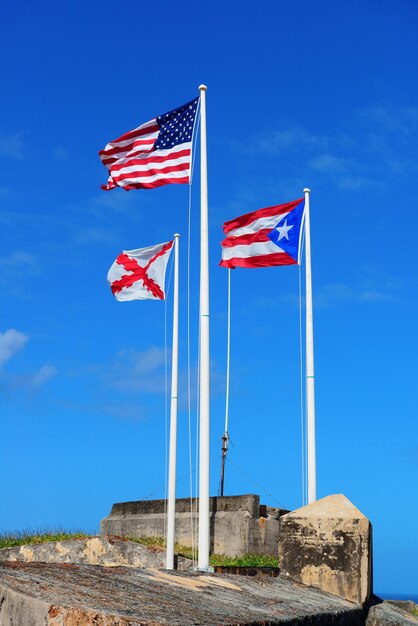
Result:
<point x="310" y="375"/>
<point x="204" y="530"/>
<point x="171" y="507"/>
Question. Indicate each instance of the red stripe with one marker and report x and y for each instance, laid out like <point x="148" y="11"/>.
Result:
<point x="120" y="153"/>
<point x="151" y="172"/>
<point x="156" y="183"/>
<point x="242" y="240"/>
<point x="248" y="218"/>
<point x="129" y="162"/>
<point x="133" y="134"/>
<point x="263" y="260"/>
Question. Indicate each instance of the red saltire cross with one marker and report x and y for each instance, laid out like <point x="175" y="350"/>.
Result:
<point x="139" y="273"/>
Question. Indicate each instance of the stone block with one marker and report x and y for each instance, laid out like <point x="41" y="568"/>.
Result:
<point x="328" y="545"/>
<point x="238" y="524"/>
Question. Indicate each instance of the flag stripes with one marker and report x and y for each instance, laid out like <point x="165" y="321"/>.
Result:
<point x="247" y="243"/>
<point x="154" y="154"/>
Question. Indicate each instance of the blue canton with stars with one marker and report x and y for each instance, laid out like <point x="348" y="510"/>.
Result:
<point x="287" y="231"/>
<point x="176" y="127"/>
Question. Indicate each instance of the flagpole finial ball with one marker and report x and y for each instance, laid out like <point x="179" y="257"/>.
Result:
<point x="306" y="190"/>
<point x="176" y="235"/>
<point x="202" y="87"/>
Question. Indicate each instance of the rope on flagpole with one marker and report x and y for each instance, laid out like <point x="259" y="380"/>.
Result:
<point x="225" y="437"/>
<point x="302" y="415"/>
<point x="166" y="395"/>
<point x="189" y="410"/>
<point x="197" y="438"/>
<point x="189" y="413"/>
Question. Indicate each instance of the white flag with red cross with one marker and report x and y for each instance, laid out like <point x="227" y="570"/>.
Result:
<point x="140" y="274"/>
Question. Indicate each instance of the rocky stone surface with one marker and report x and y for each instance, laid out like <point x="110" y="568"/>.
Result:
<point x="107" y="551"/>
<point x="41" y="594"/>
<point x="328" y="545"/>
<point x="390" y="613"/>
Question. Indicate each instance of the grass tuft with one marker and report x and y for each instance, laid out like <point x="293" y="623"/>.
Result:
<point x="247" y="560"/>
<point x="30" y="537"/>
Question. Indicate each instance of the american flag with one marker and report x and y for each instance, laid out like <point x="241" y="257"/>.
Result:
<point x="154" y="154"/>
<point x="264" y="238"/>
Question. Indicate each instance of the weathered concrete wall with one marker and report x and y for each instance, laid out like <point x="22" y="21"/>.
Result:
<point x="328" y="545"/>
<point x="236" y="525"/>
<point x="42" y="594"/>
<point x="110" y="552"/>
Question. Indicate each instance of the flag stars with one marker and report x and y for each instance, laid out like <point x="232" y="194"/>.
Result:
<point x="283" y="230"/>
<point x="176" y="127"/>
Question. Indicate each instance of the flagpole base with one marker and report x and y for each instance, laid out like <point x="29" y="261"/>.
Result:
<point x="207" y="570"/>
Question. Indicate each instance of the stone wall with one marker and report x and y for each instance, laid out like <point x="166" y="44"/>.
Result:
<point x="109" y="552"/>
<point x="238" y="524"/>
<point x="328" y="544"/>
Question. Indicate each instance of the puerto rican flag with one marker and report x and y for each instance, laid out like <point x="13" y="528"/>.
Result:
<point x="140" y="274"/>
<point x="264" y="238"/>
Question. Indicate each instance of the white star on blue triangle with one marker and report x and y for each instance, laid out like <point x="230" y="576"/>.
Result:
<point x="287" y="231"/>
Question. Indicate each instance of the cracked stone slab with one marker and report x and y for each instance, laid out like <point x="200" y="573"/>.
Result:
<point x="40" y="594"/>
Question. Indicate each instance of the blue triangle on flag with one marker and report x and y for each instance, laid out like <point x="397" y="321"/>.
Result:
<point x="287" y="232"/>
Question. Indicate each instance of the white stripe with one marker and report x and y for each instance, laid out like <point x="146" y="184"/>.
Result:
<point x="254" y="249"/>
<point x="260" y="224"/>
<point x="144" y="167"/>
<point x="151" y="179"/>
<point x="133" y="152"/>
<point x="158" y="153"/>
<point x="126" y="142"/>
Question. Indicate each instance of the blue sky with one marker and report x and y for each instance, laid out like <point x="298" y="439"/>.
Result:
<point x="300" y="94"/>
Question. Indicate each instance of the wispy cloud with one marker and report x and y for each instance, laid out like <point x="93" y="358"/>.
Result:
<point x="11" y="342"/>
<point x="138" y="371"/>
<point x="136" y="377"/>
<point x="60" y="153"/>
<point x="329" y="163"/>
<point x="374" y="288"/>
<point x="11" y="145"/>
<point x="17" y="265"/>
<point x="42" y="376"/>
<point x="372" y="144"/>
<point x="332" y="294"/>
<point x="124" y="410"/>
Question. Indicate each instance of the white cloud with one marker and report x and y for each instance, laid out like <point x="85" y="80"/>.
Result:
<point x="11" y="145"/>
<point x="371" y="145"/>
<point x="11" y="342"/>
<point x="328" y="163"/>
<point x="42" y="376"/>
<point x="61" y="154"/>
<point x="16" y="269"/>
<point x="339" y="292"/>
<point x="138" y="371"/>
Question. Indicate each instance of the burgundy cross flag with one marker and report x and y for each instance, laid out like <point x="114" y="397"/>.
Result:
<point x="154" y="154"/>
<point x="140" y="274"/>
<point x="264" y="238"/>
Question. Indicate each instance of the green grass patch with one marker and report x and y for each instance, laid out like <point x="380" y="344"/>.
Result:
<point x="247" y="560"/>
<point x="27" y="537"/>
